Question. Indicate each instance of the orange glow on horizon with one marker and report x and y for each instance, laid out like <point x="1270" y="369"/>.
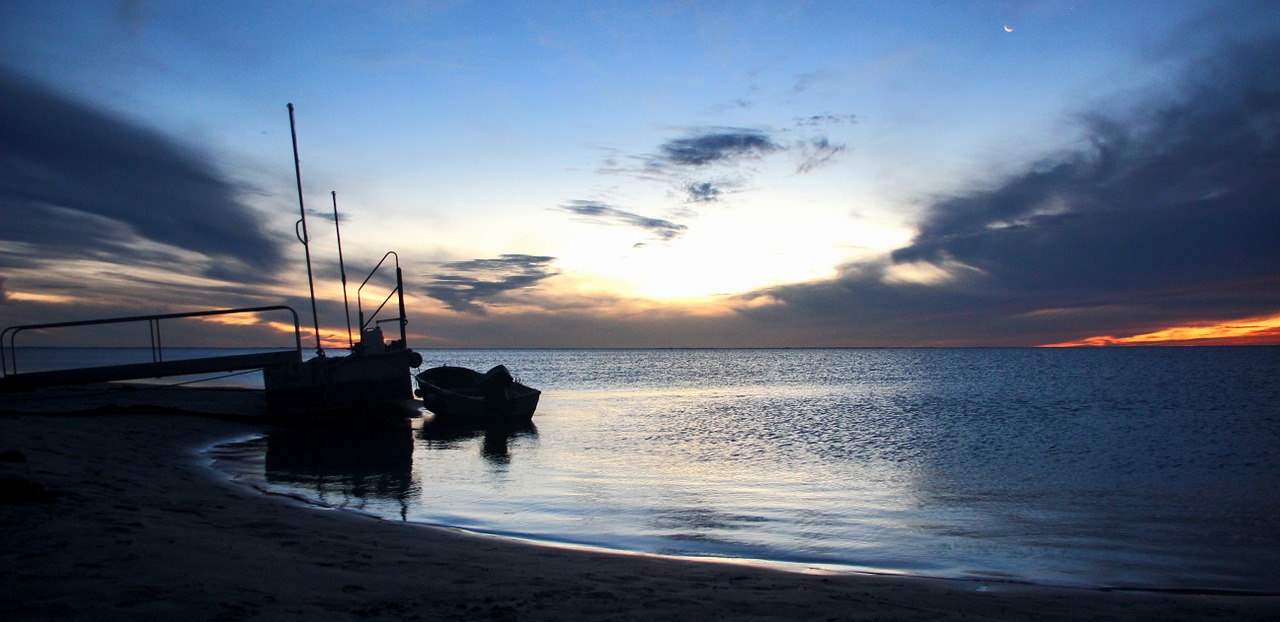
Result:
<point x="329" y="337"/>
<point x="1258" y="331"/>
<point x="34" y="297"/>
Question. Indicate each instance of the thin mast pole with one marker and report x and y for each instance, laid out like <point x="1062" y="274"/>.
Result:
<point x="342" y="269"/>
<point x="303" y="237"/>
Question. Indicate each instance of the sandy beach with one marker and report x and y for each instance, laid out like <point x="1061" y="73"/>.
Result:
<point x="118" y="516"/>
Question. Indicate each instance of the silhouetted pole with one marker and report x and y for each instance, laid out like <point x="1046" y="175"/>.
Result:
<point x="303" y="237"/>
<point x="400" y="292"/>
<point x="342" y="269"/>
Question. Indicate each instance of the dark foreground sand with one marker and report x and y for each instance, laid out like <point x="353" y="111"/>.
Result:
<point x="118" y="517"/>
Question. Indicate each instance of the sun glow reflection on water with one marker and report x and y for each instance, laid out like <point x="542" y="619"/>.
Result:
<point x="1147" y="467"/>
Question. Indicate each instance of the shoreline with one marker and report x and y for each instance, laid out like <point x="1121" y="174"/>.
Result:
<point x="304" y="501"/>
<point x="133" y="523"/>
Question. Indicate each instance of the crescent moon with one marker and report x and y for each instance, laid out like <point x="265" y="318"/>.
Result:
<point x="1008" y="28"/>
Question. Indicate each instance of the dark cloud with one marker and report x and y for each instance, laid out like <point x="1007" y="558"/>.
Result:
<point x="713" y="190"/>
<point x="1184" y="191"/>
<point x="36" y="237"/>
<point x="704" y="192"/>
<point x="475" y="281"/>
<point x="1170" y="214"/>
<point x="716" y="146"/>
<point x="599" y="213"/>
<point x="731" y="146"/>
<point x="77" y="182"/>
<point x="687" y="162"/>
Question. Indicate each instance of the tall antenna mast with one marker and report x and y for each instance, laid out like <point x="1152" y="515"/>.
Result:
<point x="342" y="269"/>
<point x="302" y="234"/>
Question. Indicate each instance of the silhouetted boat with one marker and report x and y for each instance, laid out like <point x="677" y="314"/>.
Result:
<point x="375" y="373"/>
<point x="462" y="393"/>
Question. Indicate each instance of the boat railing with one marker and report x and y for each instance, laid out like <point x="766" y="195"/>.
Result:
<point x="158" y="366"/>
<point x="397" y="291"/>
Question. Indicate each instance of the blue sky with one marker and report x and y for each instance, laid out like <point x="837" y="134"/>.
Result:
<point x="652" y="174"/>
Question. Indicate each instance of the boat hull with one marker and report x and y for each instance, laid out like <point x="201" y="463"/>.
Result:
<point x="342" y="382"/>
<point x="463" y="394"/>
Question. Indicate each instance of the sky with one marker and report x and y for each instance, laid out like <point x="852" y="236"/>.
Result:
<point x="650" y="174"/>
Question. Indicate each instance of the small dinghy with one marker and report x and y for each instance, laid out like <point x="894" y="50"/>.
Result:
<point x="466" y="394"/>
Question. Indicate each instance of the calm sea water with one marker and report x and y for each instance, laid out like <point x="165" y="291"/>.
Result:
<point x="1142" y="467"/>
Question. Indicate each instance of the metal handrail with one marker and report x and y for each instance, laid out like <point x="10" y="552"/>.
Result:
<point x="398" y="290"/>
<point x="10" y="333"/>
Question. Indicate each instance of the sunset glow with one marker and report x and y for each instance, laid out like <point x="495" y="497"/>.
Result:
<point x="329" y="337"/>
<point x="37" y="297"/>
<point x="659" y="174"/>
<point x="1247" y="332"/>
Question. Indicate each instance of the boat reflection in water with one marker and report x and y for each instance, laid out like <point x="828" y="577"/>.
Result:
<point x="369" y="464"/>
<point x="345" y="464"/>
<point x="444" y="434"/>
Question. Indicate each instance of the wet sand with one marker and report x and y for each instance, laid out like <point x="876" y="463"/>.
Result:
<point x="117" y="516"/>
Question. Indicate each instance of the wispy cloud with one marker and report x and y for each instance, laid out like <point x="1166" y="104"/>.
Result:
<point x="816" y="152"/>
<point x="466" y="285"/>
<point x="826" y="118"/>
<point x="739" y="103"/>
<point x="602" y="214"/>
<point x="807" y="81"/>
<point x="78" y="182"/>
